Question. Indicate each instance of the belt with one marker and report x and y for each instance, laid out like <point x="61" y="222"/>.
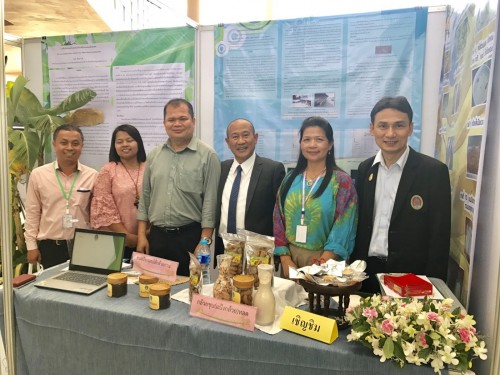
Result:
<point x="180" y="229"/>
<point x="57" y="242"/>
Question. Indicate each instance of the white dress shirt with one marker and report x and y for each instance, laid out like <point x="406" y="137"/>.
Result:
<point x="385" y="194"/>
<point x="246" y="173"/>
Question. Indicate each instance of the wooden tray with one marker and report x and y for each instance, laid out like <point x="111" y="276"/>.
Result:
<point x="319" y="299"/>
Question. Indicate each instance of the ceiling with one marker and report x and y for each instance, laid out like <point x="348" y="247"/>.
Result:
<point x="37" y="18"/>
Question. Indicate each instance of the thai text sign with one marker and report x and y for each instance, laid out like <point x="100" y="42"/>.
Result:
<point x="308" y="324"/>
<point x="163" y="269"/>
<point x="225" y="312"/>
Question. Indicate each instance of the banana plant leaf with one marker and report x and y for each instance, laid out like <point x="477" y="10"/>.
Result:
<point x="74" y="101"/>
<point x="46" y="123"/>
<point x="24" y="152"/>
<point x="13" y="93"/>
<point x="27" y="106"/>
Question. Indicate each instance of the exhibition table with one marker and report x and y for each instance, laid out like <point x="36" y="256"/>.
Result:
<point x="65" y="333"/>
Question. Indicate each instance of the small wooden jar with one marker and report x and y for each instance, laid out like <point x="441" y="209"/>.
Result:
<point x="145" y="282"/>
<point x="117" y="284"/>
<point x="243" y="289"/>
<point x="159" y="296"/>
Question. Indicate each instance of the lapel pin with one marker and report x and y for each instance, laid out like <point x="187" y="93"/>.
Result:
<point x="416" y="202"/>
<point x="370" y="177"/>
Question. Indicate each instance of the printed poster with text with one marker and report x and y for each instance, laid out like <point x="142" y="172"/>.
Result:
<point x="462" y="122"/>
<point x="134" y="74"/>
<point x="277" y="73"/>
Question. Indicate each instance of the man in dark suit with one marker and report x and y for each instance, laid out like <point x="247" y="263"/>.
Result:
<point x="259" y="182"/>
<point x="404" y="201"/>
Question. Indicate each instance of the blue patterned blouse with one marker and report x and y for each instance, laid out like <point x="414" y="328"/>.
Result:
<point x="331" y="219"/>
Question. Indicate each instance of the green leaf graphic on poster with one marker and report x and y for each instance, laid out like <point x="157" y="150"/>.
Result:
<point x="157" y="46"/>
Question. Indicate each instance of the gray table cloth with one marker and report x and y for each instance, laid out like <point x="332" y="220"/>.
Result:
<point x="65" y="333"/>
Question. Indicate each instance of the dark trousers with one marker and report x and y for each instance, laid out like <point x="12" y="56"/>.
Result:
<point x="127" y="254"/>
<point x="374" y="265"/>
<point x="175" y="244"/>
<point x="218" y="248"/>
<point x="53" y="252"/>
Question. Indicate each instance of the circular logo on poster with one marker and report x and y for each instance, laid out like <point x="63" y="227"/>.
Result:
<point x="221" y="49"/>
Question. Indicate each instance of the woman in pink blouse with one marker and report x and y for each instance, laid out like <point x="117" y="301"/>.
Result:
<point x="118" y="186"/>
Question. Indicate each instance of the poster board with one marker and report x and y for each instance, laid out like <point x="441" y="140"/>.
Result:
<point x="277" y="73"/>
<point x="134" y="74"/>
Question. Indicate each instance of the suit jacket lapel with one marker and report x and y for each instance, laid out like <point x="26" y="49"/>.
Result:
<point x="225" y="167"/>
<point x="254" y="178"/>
<point x="405" y="184"/>
<point x="369" y="191"/>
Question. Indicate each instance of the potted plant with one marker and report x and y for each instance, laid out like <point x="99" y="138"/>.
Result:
<point x="30" y="127"/>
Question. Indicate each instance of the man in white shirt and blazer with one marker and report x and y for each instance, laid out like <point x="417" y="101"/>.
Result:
<point x="260" y="180"/>
<point x="404" y="201"/>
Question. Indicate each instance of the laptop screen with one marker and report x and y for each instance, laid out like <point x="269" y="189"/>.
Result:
<point x="97" y="251"/>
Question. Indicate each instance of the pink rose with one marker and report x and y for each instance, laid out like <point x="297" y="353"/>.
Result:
<point x="349" y="309"/>
<point x="421" y="338"/>
<point x="387" y="327"/>
<point x="386" y="298"/>
<point x="433" y="316"/>
<point x="464" y="335"/>
<point x="369" y="313"/>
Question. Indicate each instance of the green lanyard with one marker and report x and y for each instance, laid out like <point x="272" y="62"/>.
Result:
<point x="66" y="196"/>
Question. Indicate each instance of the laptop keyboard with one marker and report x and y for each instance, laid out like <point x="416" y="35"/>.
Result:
<point x="83" y="278"/>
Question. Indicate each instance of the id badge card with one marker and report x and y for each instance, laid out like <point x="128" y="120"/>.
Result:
<point x="67" y="221"/>
<point x="301" y="233"/>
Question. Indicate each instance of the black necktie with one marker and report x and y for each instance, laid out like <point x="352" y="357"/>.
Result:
<point x="233" y="200"/>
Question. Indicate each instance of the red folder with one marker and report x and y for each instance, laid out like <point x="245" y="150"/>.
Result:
<point x="408" y="285"/>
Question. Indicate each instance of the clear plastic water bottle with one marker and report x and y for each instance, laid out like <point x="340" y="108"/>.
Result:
<point x="204" y="259"/>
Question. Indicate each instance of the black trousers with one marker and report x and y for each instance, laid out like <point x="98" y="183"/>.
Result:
<point x="175" y="244"/>
<point x="53" y="252"/>
<point x="127" y="254"/>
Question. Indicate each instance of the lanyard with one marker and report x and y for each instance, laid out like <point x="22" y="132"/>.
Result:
<point x="304" y="198"/>
<point x="66" y="196"/>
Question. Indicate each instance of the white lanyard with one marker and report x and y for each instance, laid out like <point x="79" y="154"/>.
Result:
<point x="304" y="198"/>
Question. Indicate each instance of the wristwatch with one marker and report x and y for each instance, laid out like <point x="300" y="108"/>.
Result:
<point x="208" y="239"/>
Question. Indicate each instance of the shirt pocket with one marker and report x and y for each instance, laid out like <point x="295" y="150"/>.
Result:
<point x="190" y="181"/>
<point x="82" y="196"/>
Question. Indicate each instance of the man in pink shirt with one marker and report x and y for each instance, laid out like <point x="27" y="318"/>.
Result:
<point x="58" y="199"/>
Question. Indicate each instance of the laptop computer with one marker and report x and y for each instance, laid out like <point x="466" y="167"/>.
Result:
<point x="95" y="255"/>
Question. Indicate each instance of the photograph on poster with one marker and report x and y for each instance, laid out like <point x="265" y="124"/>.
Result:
<point x="322" y="99"/>
<point x="473" y="153"/>
<point x="456" y="100"/>
<point x="444" y="105"/>
<point x="446" y="61"/>
<point x="480" y="80"/>
<point x="468" y="237"/>
<point x="484" y="16"/>
<point x="300" y="101"/>
<point x="455" y="279"/>
<point x="450" y="150"/>
<point x="460" y="40"/>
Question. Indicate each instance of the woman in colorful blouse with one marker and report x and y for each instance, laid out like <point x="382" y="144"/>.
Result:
<point x="316" y="209"/>
<point x="118" y="186"/>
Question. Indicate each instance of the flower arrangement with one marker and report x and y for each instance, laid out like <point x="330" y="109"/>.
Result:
<point x="417" y="331"/>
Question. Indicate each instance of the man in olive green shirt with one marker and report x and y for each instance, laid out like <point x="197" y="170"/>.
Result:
<point x="179" y="190"/>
